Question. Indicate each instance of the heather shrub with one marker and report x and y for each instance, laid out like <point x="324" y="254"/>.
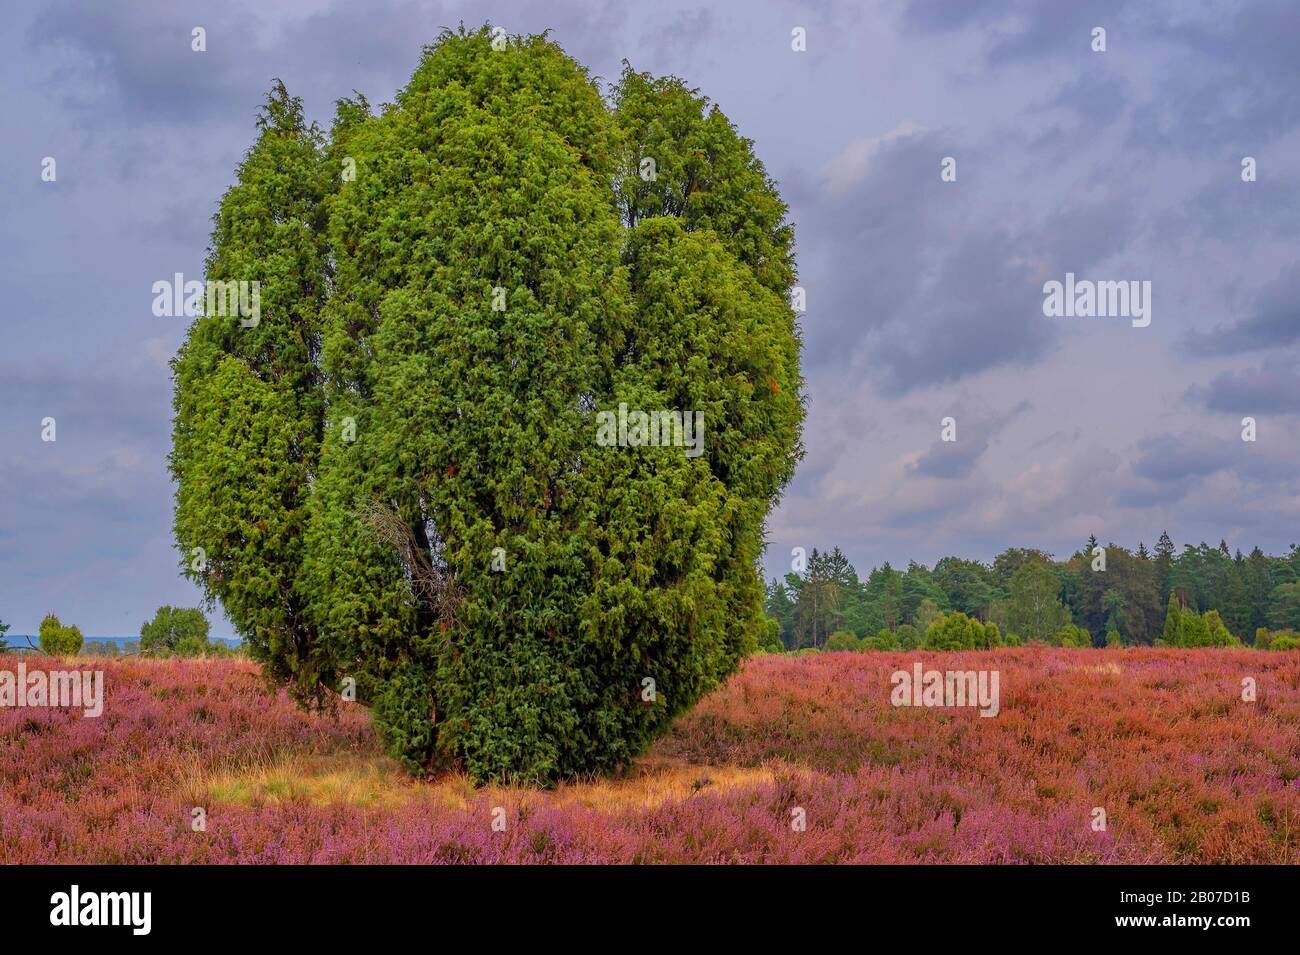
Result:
<point x="398" y="474"/>
<point x="900" y="785"/>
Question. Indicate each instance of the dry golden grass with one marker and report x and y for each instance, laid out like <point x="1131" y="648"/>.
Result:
<point x="377" y="781"/>
<point x="1110" y="667"/>
<point x="370" y="781"/>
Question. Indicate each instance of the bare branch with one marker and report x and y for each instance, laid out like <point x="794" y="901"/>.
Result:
<point x="431" y="579"/>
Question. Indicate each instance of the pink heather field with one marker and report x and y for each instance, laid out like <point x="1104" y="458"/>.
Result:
<point x="1161" y="740"/>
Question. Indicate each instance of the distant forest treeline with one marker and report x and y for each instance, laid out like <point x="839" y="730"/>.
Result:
<point x="1031" y="596"/>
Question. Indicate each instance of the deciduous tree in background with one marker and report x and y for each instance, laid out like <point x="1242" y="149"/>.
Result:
<point x="1034" y="611"/>
<point x="179" y="630"/>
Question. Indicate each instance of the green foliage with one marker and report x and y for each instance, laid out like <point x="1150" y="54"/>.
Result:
<point x="842" y="640"/>
<point x="1024" y="588"/>
<point x="101" y="648"/>
<point x="886" y="639"/>
<point x="1072" y="635"/>
<point x="356" y="464"/>
<point x="968" y="585"/>
<point x="249" y="409"/>
<point x="1276" y="639"/>
<point x="921" y="594"/>
<point x="909" y="637"/>
<point x="769" y="638"/>
<point x="58" y="640"/>
<point x="824" y="598"/>
<point x="4" y="628"/>
<point x="1217" y="631"/>
<point x="1172" y="636"/>
<point x="406" y="717"/>
<point x="1195" y="631"/>
<point x="1123" y="597"/>
<point x="927" y="612"/>
<point x="1284" y="606"/>
<point x="706" y="176"/>
<point x="177" y="631"/>
<point x="1113" y="640"/>
<point x="956" y="631"/>
<point x="1032" y="609"/>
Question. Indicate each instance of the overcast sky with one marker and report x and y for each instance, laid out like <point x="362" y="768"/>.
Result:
<point x="925" y="297"/>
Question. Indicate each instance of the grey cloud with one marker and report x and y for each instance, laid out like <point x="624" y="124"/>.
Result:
<point x="105" y="403"/>
<point x="1273" y="321"/>
<point x="1227" y="209"/>
<point x="1146" y="494"/>
<point x="951" y="459"/>
<point x="142" y="52"/>
<point x="982" y="310"/>
<point x="1019" y="30"/>
<point x="1236" y="74"/>
<point x="1097" y="100"/>
<point x="928" y="311"/>
<point x="1170" y="457"/>
<point x="1272" y="388"/>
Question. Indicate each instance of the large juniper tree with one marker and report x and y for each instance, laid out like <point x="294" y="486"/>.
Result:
<point x="395" y="478"/>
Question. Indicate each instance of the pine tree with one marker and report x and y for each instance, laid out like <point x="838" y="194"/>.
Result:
<point x="1164" y="563"/>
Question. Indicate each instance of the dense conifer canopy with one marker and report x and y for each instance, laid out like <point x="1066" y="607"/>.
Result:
<point x="393" y="477"/>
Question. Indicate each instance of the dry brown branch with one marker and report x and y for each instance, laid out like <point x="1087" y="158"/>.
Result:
<point x="432" y="582"/>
